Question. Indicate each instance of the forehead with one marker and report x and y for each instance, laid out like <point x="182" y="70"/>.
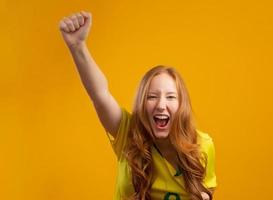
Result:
<point x="163" y="82"/>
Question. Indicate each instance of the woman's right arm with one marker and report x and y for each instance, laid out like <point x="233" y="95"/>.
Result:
<point x="75" y="29"/>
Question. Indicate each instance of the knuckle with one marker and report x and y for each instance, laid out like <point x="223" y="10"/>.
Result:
<point x="69" y="22"/>
<point x="73" y="17"/>
<point x="79" y="15"/>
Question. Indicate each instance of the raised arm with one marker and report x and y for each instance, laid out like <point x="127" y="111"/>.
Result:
<point x="74" y="30"/>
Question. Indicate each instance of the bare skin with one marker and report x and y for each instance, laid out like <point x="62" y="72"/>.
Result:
<point x="163" y="99"/>
<point x="75" y="29"/>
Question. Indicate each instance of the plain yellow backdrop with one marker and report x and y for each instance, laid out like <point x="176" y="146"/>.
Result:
<point x="52" y="146"/>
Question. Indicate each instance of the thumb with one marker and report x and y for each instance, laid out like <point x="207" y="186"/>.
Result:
<point x="87" y="17"/>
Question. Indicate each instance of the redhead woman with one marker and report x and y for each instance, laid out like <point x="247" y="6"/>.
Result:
<point x="160" y="153"/>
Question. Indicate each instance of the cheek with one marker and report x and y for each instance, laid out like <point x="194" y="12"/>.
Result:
<point x="149" y="110"/>
<point x="175" y="106"/>
<point x="149" y="107"/>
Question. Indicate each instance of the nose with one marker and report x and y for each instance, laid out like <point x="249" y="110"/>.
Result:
<point x="161" y="105"/>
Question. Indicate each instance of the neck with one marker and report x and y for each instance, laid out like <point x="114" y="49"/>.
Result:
<point x="167" y="151"/>
<point x="164" y="145"/>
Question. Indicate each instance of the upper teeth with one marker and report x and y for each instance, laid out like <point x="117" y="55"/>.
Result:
<point x="161" y="117"/>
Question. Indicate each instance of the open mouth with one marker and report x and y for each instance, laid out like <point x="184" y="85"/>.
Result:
<point x="161" y="120"/>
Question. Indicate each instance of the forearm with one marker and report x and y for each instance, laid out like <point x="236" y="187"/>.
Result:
<point x="92" y="77"/>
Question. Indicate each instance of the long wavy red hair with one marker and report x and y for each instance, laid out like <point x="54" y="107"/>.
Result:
<point x="183" y="137"/>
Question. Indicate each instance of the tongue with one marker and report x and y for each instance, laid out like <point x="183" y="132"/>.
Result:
<point x="161" y="123"/>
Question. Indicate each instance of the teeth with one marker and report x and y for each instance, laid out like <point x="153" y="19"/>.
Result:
<point x="161" y="116"/>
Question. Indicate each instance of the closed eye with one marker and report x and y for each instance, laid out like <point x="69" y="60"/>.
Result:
<point x="171" y="97"/>
<point x="151" y="97"/>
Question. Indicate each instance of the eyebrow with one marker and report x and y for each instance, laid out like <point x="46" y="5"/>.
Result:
<point x="166" y="93"/>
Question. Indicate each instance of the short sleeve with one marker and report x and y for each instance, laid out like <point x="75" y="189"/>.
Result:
<point x="207" y="147"/>
<point x="118" y="143"/>
<point x="210" y="178"/>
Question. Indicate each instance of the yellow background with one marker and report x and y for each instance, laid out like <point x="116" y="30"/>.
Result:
<point x="52" y="146"/>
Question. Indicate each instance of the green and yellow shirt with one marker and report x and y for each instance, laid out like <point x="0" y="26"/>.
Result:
<point x="168" y="184"/>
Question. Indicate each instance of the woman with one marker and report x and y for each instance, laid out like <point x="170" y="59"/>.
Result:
<point x="161" y="154"/>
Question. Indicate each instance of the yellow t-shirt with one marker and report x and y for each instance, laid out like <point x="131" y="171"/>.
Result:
<point x="168" y="184"/>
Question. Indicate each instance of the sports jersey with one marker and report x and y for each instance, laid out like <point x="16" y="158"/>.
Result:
<point x="168" y="183"/>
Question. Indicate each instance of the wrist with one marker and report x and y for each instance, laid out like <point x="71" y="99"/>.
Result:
<point x="77" y="46"/>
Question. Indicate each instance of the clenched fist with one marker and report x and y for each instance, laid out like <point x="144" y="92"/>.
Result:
<point x="75" y="28"/>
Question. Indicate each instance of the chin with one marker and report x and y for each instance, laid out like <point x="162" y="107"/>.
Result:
<point x="161" y="135"/>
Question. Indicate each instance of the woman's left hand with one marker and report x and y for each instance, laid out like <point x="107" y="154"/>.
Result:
<point x="205" y="196"/>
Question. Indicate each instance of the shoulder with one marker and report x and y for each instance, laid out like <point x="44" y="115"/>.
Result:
<point x="203" y="137"/>
<point x="119" y="142"/>
<point x="125" y="114"/>
<point x="124" y="122"/>
<point x="205" y="141"/>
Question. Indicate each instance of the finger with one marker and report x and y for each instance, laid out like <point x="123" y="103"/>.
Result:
<point x="69" y="24"/>
<point x="74" y="19"/>
<point x="63" y="27"/>
<point x="86" y="15"/>
<point x="80" y="19"/>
